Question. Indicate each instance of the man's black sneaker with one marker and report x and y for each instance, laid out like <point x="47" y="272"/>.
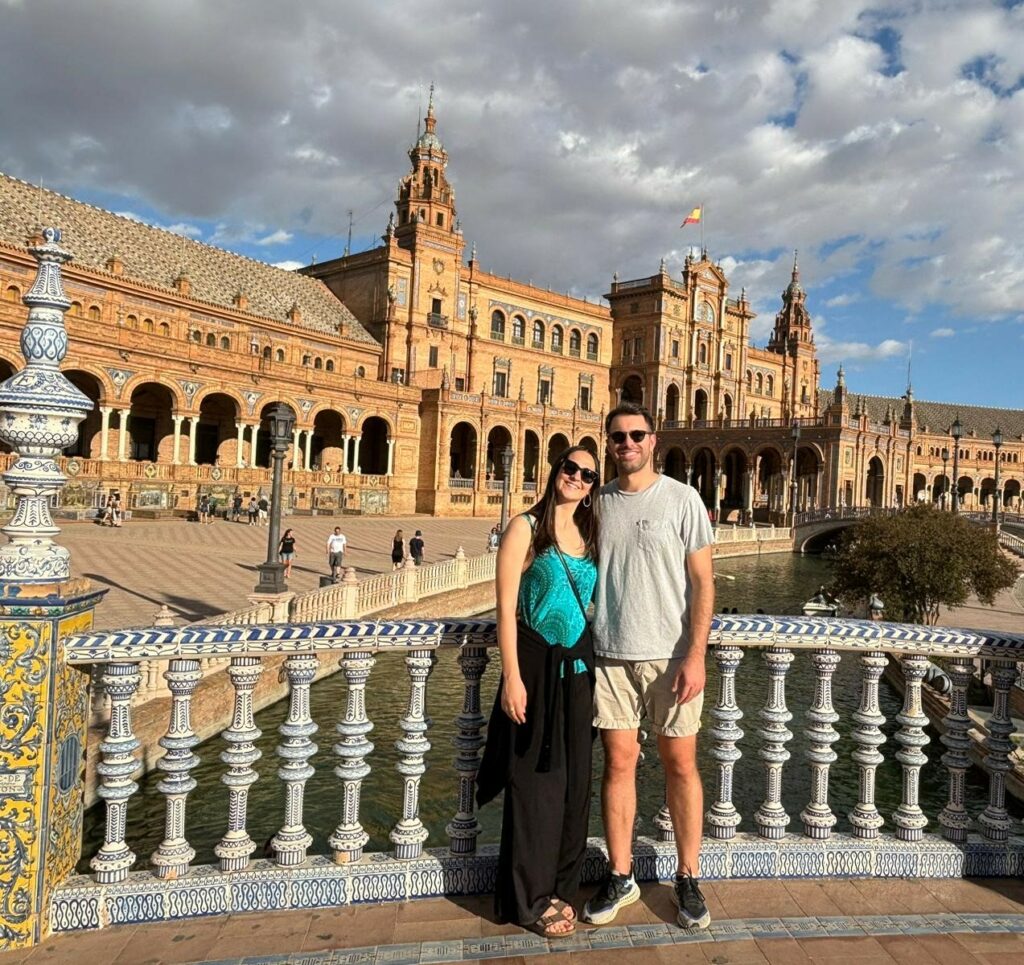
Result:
<point x="693" y="913"/>
<point x="616" y="892"/>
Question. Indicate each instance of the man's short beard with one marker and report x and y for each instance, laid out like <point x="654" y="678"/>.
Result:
<point x="629" y="470"/>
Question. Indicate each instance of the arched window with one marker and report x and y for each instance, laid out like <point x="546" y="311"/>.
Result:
<point x="211" y="340"/>
<point x="318" y="363"/>
<point x="76" y="308"/>
<point x="307" y="359"/>
<point x="197" y="337"/>
<point x="702" y="353"/>
<point x="538" y="334"/>
<point x="575" y="343"/>
<point x="329" y="365"/>
<point x="770" y="385"/>
<point x="147" y="325"/>
<point x="13" y="293"/>
<point x="518" y="329"/>
<point x="132" y="321"/>
<point x="279" y="355"/>
<point x="556" y="338"/>
<point x="360" y="372"/>
<point x="165" y="329"/>
<point x="225" y="342"/>
<point x="94" y="313"/>
<point x="750" y="380"/>
<point x="266" y="352"/>
<point x="498" y="325"/>
<point x="592" y="344"/>
<point x="760" y="384"/>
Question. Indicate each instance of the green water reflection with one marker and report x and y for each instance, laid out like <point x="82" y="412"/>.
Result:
<point x="775" y="584"/>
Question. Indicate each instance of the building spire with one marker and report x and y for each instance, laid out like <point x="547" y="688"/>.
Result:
<point x="796" y="266"/>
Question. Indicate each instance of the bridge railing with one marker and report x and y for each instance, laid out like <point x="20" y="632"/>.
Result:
<point x="833" y="513"/>
<point x="907" y="841"/>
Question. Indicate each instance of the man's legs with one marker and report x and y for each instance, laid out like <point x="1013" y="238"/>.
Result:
<point x="618" y="796"/>
<point x="685" y="797"/>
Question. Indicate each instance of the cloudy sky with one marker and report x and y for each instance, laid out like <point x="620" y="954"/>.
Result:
<point x="883" y="140"/>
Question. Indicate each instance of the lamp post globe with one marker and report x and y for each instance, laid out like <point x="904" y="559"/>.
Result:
<point x="997" y="441"/>
<point x="281" y="419"/>
<point x="956" y="430"/>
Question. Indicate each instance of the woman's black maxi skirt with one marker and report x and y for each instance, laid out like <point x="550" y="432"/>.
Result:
<point x="547" y="793"/>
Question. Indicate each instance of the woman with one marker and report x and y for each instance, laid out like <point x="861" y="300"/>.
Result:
<point x="539" y="738"/>
<point x="204" y="509"/>
<point x="286" y="552"/>
<point x="397" y="551"/>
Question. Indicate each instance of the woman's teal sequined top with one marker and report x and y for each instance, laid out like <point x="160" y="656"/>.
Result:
<point x="547" y="603"/>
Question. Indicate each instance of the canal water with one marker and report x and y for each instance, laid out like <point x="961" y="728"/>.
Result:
<point x="777" y="583"/>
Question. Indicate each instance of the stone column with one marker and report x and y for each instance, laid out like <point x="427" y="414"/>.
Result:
<point x="193" y="424"/>
<point x="105" y="411"/>
<point x="357" y="455"/>
<point x="391" y="458"/>
<point x="308" y="464"/>
<point x="122" y="435"/>
<point x="44" y="702"/>
<point x="240" y="444"/>
<point x="345" y="437"/>
<point x="177" y="439"/>
<point x="253" y="434"/>
<point x="295" y="448"/>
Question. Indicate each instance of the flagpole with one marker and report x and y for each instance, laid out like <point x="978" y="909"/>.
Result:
<point x="703" y="213"/>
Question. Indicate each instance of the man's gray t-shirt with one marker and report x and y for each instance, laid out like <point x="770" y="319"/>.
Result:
<point x="641" y="602"/>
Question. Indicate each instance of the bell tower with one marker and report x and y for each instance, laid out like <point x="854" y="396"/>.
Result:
<point x="793" y="339"/>
<point x="426" y="201"/>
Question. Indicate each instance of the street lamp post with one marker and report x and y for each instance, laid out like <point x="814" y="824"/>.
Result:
<point x="792" y="475"/>
<point x="506" y="464"/>
<point x="956" y="430"/>
<point x="997" y="441"/>
<point x="282" y="420"/>
<point x="945" y="478"/>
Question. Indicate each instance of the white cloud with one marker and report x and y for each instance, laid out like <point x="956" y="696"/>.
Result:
<point x="279" y="237"/>
<point x="288" y="265"/>
<point x="942" y="333"/>
<point x="843" y="299"/>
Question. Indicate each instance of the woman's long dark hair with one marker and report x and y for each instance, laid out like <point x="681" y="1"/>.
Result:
<point x="585" y="517"/>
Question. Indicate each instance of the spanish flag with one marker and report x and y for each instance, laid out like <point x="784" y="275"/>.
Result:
<point x="694" y="216"/>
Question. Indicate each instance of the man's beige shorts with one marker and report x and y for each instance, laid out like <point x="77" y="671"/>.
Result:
<point x="629" y="690"/>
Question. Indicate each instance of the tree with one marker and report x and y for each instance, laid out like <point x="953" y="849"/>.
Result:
<point x="918" y="560"/>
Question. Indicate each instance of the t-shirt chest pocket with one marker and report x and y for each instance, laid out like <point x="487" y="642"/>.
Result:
<point x="654" y="535"/>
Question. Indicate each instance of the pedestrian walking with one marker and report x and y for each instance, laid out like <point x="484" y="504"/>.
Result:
<point x="336" y="553"/>
<point x="204" y="508"/>
<point x="493" y="539"/>
<point x="116" y="514"/>
<point x="416" y="548"/>
<point x="253" y="511"/>
<point x="236" y="507"/>
<point x="264" y="511"/>
<point x="286" y="552"/>
<point x="397" y="551"/>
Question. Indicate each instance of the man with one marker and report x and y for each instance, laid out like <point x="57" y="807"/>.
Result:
<point x="336" y="552"/>
<point x="653" y="606"/>
<point x="264" y="511"/>
<point x="416" y="548"/>
<point x="236" y="507"/>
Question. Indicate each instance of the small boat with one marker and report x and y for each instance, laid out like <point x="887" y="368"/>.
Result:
<point x="821" y="605"/>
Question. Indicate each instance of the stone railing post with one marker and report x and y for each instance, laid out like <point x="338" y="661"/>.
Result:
<point x="350" y="594"/>
<point x="410" y="581"/>
<point x="43" y="702"/>
<point x="461" y="569"/>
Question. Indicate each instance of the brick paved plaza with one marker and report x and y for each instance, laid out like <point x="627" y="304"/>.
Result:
<point x="199" y="571"/>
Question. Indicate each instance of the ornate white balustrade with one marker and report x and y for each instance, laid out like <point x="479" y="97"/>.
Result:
<point x="832" y="836"/>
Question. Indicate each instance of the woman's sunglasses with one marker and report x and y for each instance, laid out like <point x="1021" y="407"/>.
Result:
<point x="637" y="435"/>
<point x="570" y="468"/>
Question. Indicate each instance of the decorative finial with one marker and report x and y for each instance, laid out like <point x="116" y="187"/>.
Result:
<point x="796" y="267"/>
<point x="39" y="415"/>
<point x="472" y="253"/>
<point x="661" y="269"/>
<point x="841" y="377"/>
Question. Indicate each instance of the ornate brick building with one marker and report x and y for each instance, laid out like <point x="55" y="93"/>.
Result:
<point x="412" y="371"/>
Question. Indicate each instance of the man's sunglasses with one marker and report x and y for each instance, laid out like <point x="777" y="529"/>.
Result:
<point x="570" y="468"/>
<point x="637" y="435"/>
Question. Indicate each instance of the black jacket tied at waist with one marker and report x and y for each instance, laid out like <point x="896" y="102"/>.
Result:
<point x="547" y="671"/>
